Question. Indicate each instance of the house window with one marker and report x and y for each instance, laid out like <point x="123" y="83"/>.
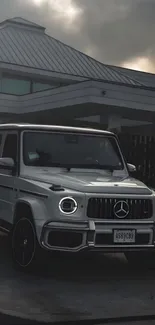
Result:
<point x="10" y="147"/>
<point x="37" y="86"/>
<point x="15" y="86"/>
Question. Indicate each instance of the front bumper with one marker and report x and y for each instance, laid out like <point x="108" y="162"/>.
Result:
<point x="67" y="236"/>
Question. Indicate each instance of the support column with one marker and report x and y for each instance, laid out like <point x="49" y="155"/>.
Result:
<point x="103" y="122"/>
<point x="114" y="123"/>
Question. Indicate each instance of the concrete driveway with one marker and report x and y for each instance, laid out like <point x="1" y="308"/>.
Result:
<point x="74" y="289"/>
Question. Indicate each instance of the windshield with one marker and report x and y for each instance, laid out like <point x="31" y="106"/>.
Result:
<point x="71" y="150"/>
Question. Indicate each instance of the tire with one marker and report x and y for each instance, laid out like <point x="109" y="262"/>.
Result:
<point x="24" y="244"/>
<point x="141" y="259"/>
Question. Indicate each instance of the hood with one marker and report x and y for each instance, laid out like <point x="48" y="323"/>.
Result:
<point x="89" y="182"/>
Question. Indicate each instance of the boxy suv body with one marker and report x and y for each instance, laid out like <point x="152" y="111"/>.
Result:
<point x="68" y="189"/>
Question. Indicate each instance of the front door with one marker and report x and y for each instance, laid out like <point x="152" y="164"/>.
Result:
<point x="7" y="181"/>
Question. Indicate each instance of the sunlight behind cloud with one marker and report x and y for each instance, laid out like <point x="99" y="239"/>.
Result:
<point x="38" y="2"/>
<point x="140" y="63"/>
<point x="61" y="8"/>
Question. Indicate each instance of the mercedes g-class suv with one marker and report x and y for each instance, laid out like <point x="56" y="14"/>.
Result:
<point x="70" y="189"/>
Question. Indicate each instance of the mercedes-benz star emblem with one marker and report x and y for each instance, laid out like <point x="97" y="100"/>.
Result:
<point x="121" y="209"/>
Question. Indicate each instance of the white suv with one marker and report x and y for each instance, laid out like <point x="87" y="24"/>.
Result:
<point x="68" y="189"/>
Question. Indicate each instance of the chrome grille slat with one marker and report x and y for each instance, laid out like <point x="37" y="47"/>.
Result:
<point x="102" y="208"/>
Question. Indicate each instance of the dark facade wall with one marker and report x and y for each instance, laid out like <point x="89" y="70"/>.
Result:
<point x="138" y="146"/>
<point x="139" y="150"/>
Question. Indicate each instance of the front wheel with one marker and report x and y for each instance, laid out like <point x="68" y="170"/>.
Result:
<point x="141" y="259"/>
<point x="24" y="244"/>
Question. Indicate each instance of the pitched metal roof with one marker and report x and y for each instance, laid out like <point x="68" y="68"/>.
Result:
<point x="144" y="78"/>
<point x="25" y="44"/>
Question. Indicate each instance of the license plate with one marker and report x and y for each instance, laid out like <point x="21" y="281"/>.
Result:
<point x="124" y="236"/>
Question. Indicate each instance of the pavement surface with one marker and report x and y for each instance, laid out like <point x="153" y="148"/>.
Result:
<point x="73" y="289"/>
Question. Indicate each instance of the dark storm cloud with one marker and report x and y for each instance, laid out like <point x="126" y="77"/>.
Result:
<point x="119" y="29"/>
<point x="113" y="31"/>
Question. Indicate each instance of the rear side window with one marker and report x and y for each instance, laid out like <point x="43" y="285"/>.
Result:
<point x="10" y="147"/>
<point x="0" y="141"/>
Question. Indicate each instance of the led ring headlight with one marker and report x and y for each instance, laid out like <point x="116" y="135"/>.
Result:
<point x="67" y="205"/>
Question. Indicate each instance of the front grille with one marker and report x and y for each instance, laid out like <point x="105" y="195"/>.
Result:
<point x="107" y="239"/>
<point x="103" y="208"/>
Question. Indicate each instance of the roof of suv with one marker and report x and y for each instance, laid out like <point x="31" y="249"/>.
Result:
<point x="50" y="128"/>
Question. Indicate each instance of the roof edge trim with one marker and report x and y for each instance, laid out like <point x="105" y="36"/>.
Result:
<point x="23" y="22"/>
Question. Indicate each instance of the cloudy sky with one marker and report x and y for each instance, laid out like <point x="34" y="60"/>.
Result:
<point x="119" y="32"/>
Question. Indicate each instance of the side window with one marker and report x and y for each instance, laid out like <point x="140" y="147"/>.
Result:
<point x="1" y="144"/>
<point x="10" y="147"/>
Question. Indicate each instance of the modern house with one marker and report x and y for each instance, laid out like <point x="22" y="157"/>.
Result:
<point x="43" y="80"/>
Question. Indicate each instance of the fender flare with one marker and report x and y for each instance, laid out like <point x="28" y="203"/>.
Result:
<point x="39" y="212"/>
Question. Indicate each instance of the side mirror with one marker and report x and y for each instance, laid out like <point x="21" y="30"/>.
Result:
<point x="7" y="163"/>
<point x="132" y="168"/>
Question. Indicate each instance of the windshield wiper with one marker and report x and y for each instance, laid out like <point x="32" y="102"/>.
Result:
<point x="110" y="168"/>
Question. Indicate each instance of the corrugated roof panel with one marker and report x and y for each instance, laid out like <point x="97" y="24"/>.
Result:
<point x="4" y="56"/>
<point x="144" y="78"/>
<point x="7" y="46"/>
<point x="14" y="55"/>
<point x="56" y="50"/>
<point x="34" y="49"/>
<point x="11" y="40"/>
<point x="115" y="75"/>
<point x="26" y="46"/>
<point x="53" y="59"/>
<point x="73" y="62"/>
<point x="91" y="68"/>
<point x="25" y="49"/>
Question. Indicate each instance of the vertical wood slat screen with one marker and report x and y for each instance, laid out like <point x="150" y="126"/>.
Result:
<point x="140" y="151"/>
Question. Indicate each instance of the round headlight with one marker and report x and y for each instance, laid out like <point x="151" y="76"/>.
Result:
<point x="67" y="205"/>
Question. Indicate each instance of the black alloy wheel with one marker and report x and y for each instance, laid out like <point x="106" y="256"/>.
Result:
<point x="24" y="243"/>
